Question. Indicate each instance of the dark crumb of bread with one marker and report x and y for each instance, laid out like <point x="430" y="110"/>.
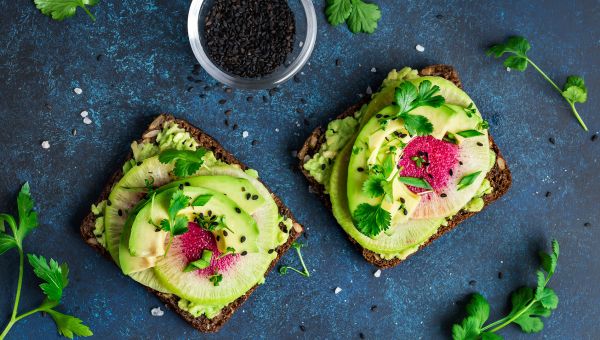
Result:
<point x="499" y="176"/>
<point x="201" y="323"/>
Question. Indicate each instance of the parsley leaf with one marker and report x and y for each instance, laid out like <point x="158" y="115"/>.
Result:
<point x="175" y="225"/>
<point x="360" y="16"/>
<point x="364" y="17"/>
<point x="69" y="326"/>
<point x="528" y="307"/>
<point x="574" y="90"/>
<point x="54" y="275"/>
<point x="371" y="219"/>
<point x="468" y="180"/>
<point x="63" y="9"/>
<point x="338" y="11"/>
<point x="374" y="186"/>
<point x="417" y="125"/>
<point x="187" y="162"/>
<point x="27" y="217"/>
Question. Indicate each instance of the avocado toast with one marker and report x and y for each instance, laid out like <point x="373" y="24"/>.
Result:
<point x="190" y="222"/>
<point x="407" y="165"/>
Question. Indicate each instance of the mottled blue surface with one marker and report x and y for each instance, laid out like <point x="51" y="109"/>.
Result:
<point x="143" y="69"/>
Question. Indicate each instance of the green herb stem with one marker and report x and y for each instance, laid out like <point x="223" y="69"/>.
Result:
<point x="513" y="318"/>
<point x="14" y="318"/>
<point x="89" y="13"/>
<point x="572" y="105"/>
<point x="306" y="272"/>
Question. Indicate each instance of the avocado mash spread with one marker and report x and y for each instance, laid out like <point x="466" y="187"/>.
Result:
<point x="182" y="222"/>
<point x="404" y="164"/>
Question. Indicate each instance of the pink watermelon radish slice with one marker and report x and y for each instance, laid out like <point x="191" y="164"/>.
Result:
<point x="443" y="164"/>
<point x="239" y="272"/>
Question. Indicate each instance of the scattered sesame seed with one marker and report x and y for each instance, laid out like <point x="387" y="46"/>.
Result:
<point x="374" y="70"/>
<point x="84" y="114"/>
<point x="508" y="69"/>
<point x="377" y="273"/>
<point x="245" y="134"/>
<point x="45" y="145"/>
<point x="87" y="121"/>
<point x="301" y="44"/>
<point x="420" y="48"/>
<point x="74" y="132"/>
<point x="157" y="312"/>
<point x="594" y="137"/>
<point x="337" y="290"/>
<point x="276" y="130"/>
<point x="369" y="90"/>
<point x="77" y="90"/>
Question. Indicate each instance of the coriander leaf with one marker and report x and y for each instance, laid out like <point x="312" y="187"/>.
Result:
<point x="415" y="182"/>
<point x="541" y="282"/>
<point x="479" y="308"/>
<point x="468" y="180"/>
<point x="469" y="133"/>
<point x="7" y="242"/>
<point x="516" y="63"/>
<point x="62" y="9"/>
<point x="55" y="276"/>
<point x="518" y="46"/>
<point x="338" y="11"/>
<point x="490" y="336"/>
<point x="417" y="125"/>
<point x="555" y="248"/>
<point x="371" y="220"/>
<point x="178" y="202"/>
<point x="548" y="262"/>
<point x="187" y="162"/>
<point x="406" y="93"/>
<point x="27" y="217"/>
<point x="373" y="186"/>
<point x="201" y="200"/>
<point x="528" y="318"/>
<point x="180" y="226"/>
<point x="165" y="225"/>
<point x="426" y="95"/>
<point x="363" y="17"/>
<point x="69" y="326"/>
<point x="469" y="329"/>
<point x="548" y="298"/>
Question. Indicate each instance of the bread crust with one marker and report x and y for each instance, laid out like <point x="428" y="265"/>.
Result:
<point x="499" y="176"/>
<point x="201" y="323"/>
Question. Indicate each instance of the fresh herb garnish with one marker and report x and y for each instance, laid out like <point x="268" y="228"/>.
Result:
<point x="574" y="90"/>
<point x="450" y="138"/>
<point x="216" y="278"/>
<point x="376" y="186"/>
<point x="149" y="185"/>
<point x="469" y="133"/>
<point x="468" y="180"/>
<point x="528" y="306"/>
<point x="55" y="276"/>
<point x="61" y="9"/>
<point x="415" y="182"/>
<point x="201" y="200"/>
<point x="201" y="263"/>
<point x="360" y="16"/>
<point x="470" y="110"/>
<point x="175" y="225"/>
<point x="371" y="219"/>
<point x="419" y="161"/>
<point x="228" y="250"/>
<point x="187" y="162"/>
<point x="283" y="269"/>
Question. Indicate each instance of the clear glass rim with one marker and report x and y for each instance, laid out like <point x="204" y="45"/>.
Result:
<point x="249" y="83"/>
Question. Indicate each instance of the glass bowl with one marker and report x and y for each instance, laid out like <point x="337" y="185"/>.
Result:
<point x="304" y="43"/>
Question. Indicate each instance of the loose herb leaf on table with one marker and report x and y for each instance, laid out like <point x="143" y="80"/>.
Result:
<point x="574" y="90"/>
<point x="529" y="305"/>
<point x="63" y="9"/>
<point x="284" y="269"/>
<point x="55" y="276"/>
<point x="359" y="15"/>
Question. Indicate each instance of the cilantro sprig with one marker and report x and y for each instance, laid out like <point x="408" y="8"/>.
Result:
<point x="529" y="305"/>
<point x="175" y="224"/>
<point x="574" y="90"/>
<point x="359" y="15"/>
<point x="187" y="162"/>
<point x="371" y="219"/>
<point x="62" y="9"/>
<point x="284" y="269"/>
<point x="54" y="275"/>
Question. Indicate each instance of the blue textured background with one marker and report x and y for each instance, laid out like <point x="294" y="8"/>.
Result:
<point x="143" y="69"/>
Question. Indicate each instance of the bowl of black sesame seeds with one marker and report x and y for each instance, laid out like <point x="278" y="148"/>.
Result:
<point x="252" y="44"/>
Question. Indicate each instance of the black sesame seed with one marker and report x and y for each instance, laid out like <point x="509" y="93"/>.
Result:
<point x="302" y="328"/>
<point x="222" y="101"/>
<point x="243" y="189"/>
<point x="228" y="112"/>
<point x="551" y="140"/>
<point x="271" y="251"/>
<point x="460" y="162"/>
<point x="139" y="163"/>
<point x="594" y="137"/>
<point x="587" y="224"/>
<point x="244" y="253"/>
<point x="238" y="210"/>
<point x="472" y="282"/>
<point x="479" y="143"/>
<point x="500" y="275"/>
<point x="99" y="57"/>
<point x="548" y="194"/>
<point x="225" y="233"/>
<point x="297" y="78"/>
<point x="443" y="195"/>
<point x="248" y="195"/>
<point x="402" y="200"/>
<point x="254" y="197"/>
<point x="338" y="62"/>
<point x="226" y="122"/>
<point x="120" y="212"/>
<point x="180" y="186"/>
<point x="450" y="172"/>
<point x="235" y="126"/>
<point x="242" y="239"/>
<point x="361" y="335"/>
<point x="323" y="166"/>
<point x="109" y="203"/>
<point x="209" y="213"/>
<point x="249" y="99"/>
<point x="254" y="142"/>
<point x="218" y="237"/>
<point x="373" y="308"/>
<point x="439" y="16"/>
<point x="360" y="169"/>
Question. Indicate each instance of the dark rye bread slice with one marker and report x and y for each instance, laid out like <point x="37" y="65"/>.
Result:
<point x="201" y="323"/>
<point x="499" y="176"/>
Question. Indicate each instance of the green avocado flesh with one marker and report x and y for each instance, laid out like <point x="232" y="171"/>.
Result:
<point x="415" y="217"/>
<point x="248" y="225"/>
